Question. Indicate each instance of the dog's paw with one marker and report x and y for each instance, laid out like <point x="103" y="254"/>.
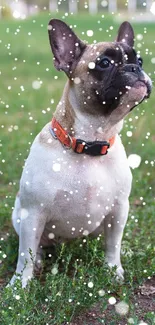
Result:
<point x="119" y="271"/>
<point x="13" y="280"/>
<point x="120" y="274"/>
<point x="23" y="280"/>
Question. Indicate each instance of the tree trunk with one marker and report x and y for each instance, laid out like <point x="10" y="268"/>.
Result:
<point x="73" y="7"/>
<point x="148" y="4"/>
<point x="93" y="7"/>
<point x="53" y="6"/>
<point x="113" y="6"/>
<point x="132" y="5"/>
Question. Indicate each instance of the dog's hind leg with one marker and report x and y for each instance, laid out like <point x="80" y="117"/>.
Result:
<point x="40" y="255"/>
<point x="16" y="215"/>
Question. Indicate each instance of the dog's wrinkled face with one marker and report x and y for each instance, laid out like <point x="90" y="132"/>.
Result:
<point x="104" y="76"/>
<point x="112" y="73"/>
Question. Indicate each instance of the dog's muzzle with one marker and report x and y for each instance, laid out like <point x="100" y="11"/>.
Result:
<point x="142" y="77"/>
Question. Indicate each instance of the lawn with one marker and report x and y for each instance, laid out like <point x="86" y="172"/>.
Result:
<point x="62" y="298"/>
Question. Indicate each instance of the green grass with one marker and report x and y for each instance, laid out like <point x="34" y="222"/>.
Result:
<point x="54" y="299"/>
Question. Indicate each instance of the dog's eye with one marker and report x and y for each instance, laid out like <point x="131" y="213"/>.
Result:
<point x="104" y="63"/>
<point x="140" y="61"/>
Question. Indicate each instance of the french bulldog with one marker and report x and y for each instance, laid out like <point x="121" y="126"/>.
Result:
<point x="76" y="180"/>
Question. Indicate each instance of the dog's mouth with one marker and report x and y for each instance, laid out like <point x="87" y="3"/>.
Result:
<point x="143" y="91"/>
<point x="146" y="85"/>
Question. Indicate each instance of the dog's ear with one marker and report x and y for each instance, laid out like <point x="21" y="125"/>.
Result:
<point x="67" y="48"/>
<point x="126" y="34"/>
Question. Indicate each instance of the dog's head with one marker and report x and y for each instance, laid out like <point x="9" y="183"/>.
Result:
<point x="104" y="76"/>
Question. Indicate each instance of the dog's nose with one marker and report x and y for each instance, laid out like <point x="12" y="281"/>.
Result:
<point x="132" y="68"/>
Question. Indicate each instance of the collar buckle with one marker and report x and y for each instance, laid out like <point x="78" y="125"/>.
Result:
<point x="92" y="148"/>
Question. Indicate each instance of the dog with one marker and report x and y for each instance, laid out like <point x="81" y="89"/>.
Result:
<point x="76" y="180"/>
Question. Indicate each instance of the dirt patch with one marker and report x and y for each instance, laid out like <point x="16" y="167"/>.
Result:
<point x="143" y="301"/>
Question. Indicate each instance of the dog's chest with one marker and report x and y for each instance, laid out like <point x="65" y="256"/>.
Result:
<point x="83" y="200"/>
<point x="76" y="191"/>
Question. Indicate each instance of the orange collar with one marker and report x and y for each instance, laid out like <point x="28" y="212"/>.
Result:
<point x="93" y="148"/>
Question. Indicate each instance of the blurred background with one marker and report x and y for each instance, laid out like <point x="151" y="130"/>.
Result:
<point x="30" y="88"/>
<point x="24" y="8"/>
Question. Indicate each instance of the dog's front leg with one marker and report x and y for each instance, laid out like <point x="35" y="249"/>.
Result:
<point x="114" y="224"/>
<point x="29" y="239"/>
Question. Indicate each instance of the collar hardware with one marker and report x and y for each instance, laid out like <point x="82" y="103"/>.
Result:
<point x="68" y="147"/>
<point x="52" y="133"/>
